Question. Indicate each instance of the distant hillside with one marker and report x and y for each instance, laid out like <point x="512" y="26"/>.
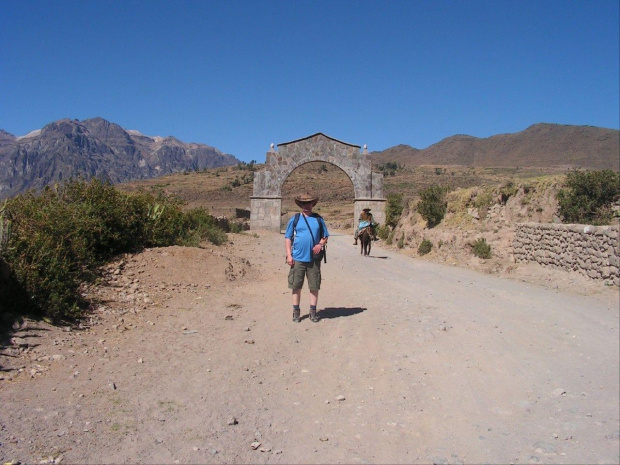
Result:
<point x="95" y="148"/>
<point x="541" y="145"/>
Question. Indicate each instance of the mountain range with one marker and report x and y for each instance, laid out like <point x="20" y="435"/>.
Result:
<point x="95" y="147"/>
<point x="98" y="148"/>
<point x="541" y="145"/>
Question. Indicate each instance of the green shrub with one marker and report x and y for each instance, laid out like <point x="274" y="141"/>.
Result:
<point x="432" y="205"/>
<point x="5" y="226"/>
<point x="198" y="225"/>
<point x="401" y="241"/>
<point x="425" y="247"/>
<point x="383" y="231"/>
<point x="60" y="237"/>
<point x="482" y="202"/>
<point x="588" y="196"/>
<point x="393" y="209"/>
<point x="389" y="168"/>
<point x="236" y="227"/>
<point x="481" y="249"/>
<point x="506" y="191"/>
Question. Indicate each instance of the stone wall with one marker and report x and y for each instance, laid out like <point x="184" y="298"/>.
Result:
<point x="590" y="250"/>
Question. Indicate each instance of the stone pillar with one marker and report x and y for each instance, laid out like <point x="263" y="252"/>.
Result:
<point x="265" y="213"/>
<point x="377" y="186"/>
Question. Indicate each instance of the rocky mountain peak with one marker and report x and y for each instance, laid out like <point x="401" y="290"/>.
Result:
<point x="6" y="136"/>
<point x="95" y="147"/>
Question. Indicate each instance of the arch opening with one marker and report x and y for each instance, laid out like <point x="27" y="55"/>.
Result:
<point x="330" y="183"/>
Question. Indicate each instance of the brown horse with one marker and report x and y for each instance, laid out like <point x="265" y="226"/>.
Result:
<point x="366" y="241"/>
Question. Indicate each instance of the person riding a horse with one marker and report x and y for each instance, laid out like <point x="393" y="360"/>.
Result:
<point x="366" y="221"/>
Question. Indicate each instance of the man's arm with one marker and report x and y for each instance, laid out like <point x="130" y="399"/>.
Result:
<point x="323" y="240"/>
<point x="288" y="244"/>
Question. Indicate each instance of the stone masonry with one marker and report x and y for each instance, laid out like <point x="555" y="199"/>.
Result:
<point x="266" y="201"/>
<point x="590" y="250"/>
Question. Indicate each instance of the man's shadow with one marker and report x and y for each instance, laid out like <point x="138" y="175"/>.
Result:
<point x="337" y="312"/>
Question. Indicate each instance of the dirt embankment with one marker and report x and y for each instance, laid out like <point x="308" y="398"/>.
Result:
<point x="489" y="213"/>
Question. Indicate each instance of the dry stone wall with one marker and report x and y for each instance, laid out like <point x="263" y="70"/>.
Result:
<point x="591" y="250"/>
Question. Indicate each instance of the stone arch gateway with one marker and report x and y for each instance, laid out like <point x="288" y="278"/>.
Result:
<point x="266" y="201"/>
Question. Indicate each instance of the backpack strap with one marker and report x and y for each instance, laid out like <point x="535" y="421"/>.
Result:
<point x="295" y="221"/>
<point x="314" y="241"/>
<point x="319" y="218"/>
<point x="315" y="215"/>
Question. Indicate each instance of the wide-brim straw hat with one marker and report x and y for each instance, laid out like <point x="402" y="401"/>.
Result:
<point x="304" y="198"/>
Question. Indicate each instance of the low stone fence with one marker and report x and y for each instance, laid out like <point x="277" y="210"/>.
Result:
<point x="590" y="250"/>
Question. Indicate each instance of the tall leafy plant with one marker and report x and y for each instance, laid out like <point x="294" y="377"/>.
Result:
<point x="587" y="197"/>
<point x="393" y="209"/>
<point x="432" y="205"/>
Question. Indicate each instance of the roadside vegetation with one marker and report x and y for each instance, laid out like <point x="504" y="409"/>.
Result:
<point x="584" y="197"/>
<point x="432" y="205"/>
<point x="425" y="247"/>
<point x="481" y="249"/>
<point x="589" y="197"/>
<point x="456" y="223"/>
<point x="393" y="209"/>
<point x="53" y="242"/>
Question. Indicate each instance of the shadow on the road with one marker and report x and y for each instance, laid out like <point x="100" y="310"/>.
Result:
<point x="7" y="333"/>
<point x="382" y="257"/>
<point x="337" y="312"/>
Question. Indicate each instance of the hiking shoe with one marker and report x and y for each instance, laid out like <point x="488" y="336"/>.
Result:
<point x="313" y="316"/>
<point x="296" y="317"/>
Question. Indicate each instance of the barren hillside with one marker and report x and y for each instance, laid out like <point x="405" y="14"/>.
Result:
<point x="541" y="145"/>
<point x="223" y="191"/>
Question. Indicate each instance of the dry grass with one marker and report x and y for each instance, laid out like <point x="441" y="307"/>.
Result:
<point x="213" y="188"/>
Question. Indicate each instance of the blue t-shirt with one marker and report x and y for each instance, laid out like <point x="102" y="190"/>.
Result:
<point x="302" y="243"/>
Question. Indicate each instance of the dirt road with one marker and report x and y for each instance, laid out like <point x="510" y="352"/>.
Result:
<point x="194" y="359"/>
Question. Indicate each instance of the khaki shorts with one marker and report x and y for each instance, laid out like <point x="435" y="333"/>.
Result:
<point x="301" y="269"/>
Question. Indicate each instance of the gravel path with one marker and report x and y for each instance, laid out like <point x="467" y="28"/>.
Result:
<point x="194" y="359"/>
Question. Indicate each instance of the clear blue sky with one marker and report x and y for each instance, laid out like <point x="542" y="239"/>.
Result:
<point x="239" y="75"/>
